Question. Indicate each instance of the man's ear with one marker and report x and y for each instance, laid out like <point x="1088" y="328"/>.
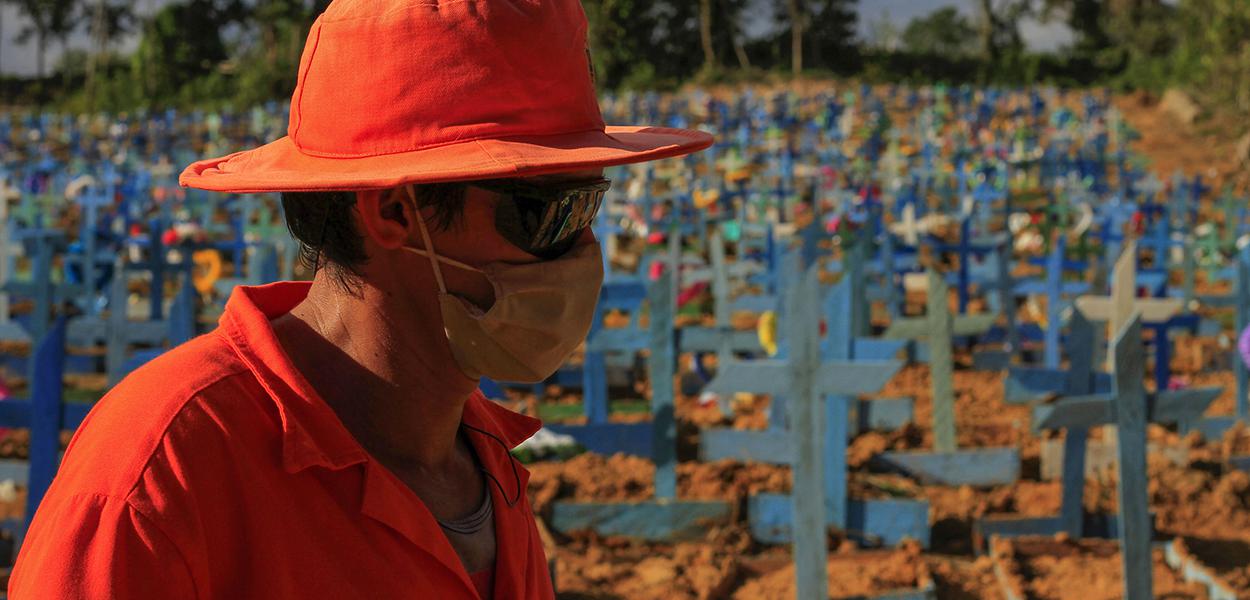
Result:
<point x="387" y="216"/>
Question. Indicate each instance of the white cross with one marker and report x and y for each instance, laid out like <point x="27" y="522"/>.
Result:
<point x="1118" y="308"/>
<point x="910" y="229"/>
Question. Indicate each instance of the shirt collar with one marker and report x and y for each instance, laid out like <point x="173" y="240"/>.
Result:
<point x="312" y="435"/>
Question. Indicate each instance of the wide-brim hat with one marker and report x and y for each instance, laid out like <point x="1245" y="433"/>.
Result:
<point x="396" y="92"/>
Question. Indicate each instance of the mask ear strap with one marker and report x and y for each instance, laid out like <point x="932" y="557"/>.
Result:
<point x="429" y="246"/>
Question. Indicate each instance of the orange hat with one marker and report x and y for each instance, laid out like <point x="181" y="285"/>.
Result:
<point x="395" y="92"/>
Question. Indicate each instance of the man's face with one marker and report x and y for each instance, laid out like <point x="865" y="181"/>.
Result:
<point x="475" y="241"/>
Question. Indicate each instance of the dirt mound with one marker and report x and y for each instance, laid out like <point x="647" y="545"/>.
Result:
<point x="865" y="574"/>
<point x="590" y="568"/>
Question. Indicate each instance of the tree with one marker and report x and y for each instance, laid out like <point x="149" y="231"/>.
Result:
<point x="822" y="30"/>
<point x="1087" y="20"/>
<point x="180" y="44"/>
<point x="107" y="22"/>
<point x="49" y="19"/>
<point x="267" y="58"/>
<point x="797" y="16"/>
<point x="831" y="34"/>
<point x="622" y="40"/>
<point x="883" y="34"/>
<point x="1212" y="51"/>
<point x="705" y="35"/>
<point x="733" y="10"/>
<point x="943" y="32"/>
<point x="999" y="34"/>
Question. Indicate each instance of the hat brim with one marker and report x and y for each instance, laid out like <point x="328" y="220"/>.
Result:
<point x="281" y="166"/>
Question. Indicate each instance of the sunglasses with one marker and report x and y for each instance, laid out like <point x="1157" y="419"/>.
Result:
<point x="545" y="219"/>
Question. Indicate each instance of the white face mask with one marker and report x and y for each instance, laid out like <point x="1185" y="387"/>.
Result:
<point x="542" y="311"/>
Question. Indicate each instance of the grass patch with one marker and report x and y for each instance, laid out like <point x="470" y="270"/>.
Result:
<point x="562" y="412"/>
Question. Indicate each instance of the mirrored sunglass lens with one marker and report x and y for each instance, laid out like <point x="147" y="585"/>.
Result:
<point x="548" y="227"/>
<point x="569" y="217"/>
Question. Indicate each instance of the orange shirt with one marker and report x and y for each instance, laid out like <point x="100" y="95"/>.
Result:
<point x="215" y="471"/>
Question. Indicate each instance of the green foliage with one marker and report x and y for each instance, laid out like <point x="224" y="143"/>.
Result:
<point x="944" y="32"/>
<point x="1213" y="50"/>
<point x="49" y="19"/>
<point x="180" y="45"/>
<point x="184" y="59"/>
<point x="620" y="35"/>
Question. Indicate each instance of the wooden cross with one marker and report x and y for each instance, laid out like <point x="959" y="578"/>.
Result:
<point x="1089" y="399"/>
<point x="45" y="413"/>
<point x="9" y="329"/>
<point x="1234" y="211"/>
<point x="939" y="326"/>
<point x="1055" y="289"/>
<point x="663" y="518"/>
<point x="909" y="228"/>
<point x="947" y="464"/>
<point x="1117" y="308"/>
<point x="118" y="332"/>
<point x="40" y="288"/>
<point x="92" y="200"/>
<point x="1129" y="408"/>
<point x="598" y="434"/>
<point x="1239" y="301"/>
<point x="968" y="247"/>
<point x="804" y="379"/>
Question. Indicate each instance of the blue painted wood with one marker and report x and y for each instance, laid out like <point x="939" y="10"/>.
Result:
<point x="810" y="504"/>
<point x="625" y="293"/>
<point x="1163" y="345"/>
<point x="46" y="415"/>
<point x="941" y="364"/>
<point x="609" y="438"/>
<point x="661" y="370"/>
<point x="876" y="349"/>
<point x="660" y="521"/>
<point x="837" y="421"/>
<point x="772" y="446"/>
<point x="1026" y="385"/>
<point x="775" y="446"/>
<point x="622" y="339"/>
<point x="884" y="414"/>
<point x="663" y="518"/>
<point x="855" y="377"/>
<point x="1213" y="428"/>
<point x="16" y="412"/>
<point x="1241" y="463"/>
<point x="39" y="244"/>
<point x="975" y="467"/>
<point x="1079" y="380"/>
<point x="490" y="389"/>
<point x="702" y="339"/>
<point x="885" y="522"/>
<point x="755" y="377"/>
<point x="1093" y="410"/>
<point x="1002" y="526"/>
<point x="1130" y="419"/>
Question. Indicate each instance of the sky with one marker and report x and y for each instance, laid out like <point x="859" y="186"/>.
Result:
<point x="1038" y="36"/>
<point x="20" y="59"/>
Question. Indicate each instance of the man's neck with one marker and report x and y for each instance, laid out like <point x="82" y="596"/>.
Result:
<point x="386" y="371"/>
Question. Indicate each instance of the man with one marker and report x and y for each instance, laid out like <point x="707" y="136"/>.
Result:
<point x="442" y="164"/>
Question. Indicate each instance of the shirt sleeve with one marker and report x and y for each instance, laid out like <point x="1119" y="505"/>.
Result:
<point x="94" y="546"/>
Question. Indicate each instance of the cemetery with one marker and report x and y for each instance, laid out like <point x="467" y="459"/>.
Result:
<point x="901" y="299"/>
<point x="876" y="342"/>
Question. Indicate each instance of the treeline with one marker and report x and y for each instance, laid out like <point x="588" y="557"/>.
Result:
<point x="242" y="52"/>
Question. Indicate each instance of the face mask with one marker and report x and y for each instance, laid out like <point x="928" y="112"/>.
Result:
<point x="542" y="311"/>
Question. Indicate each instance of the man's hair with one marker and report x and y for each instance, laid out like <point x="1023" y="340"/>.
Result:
<point x="322" y="223"/>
